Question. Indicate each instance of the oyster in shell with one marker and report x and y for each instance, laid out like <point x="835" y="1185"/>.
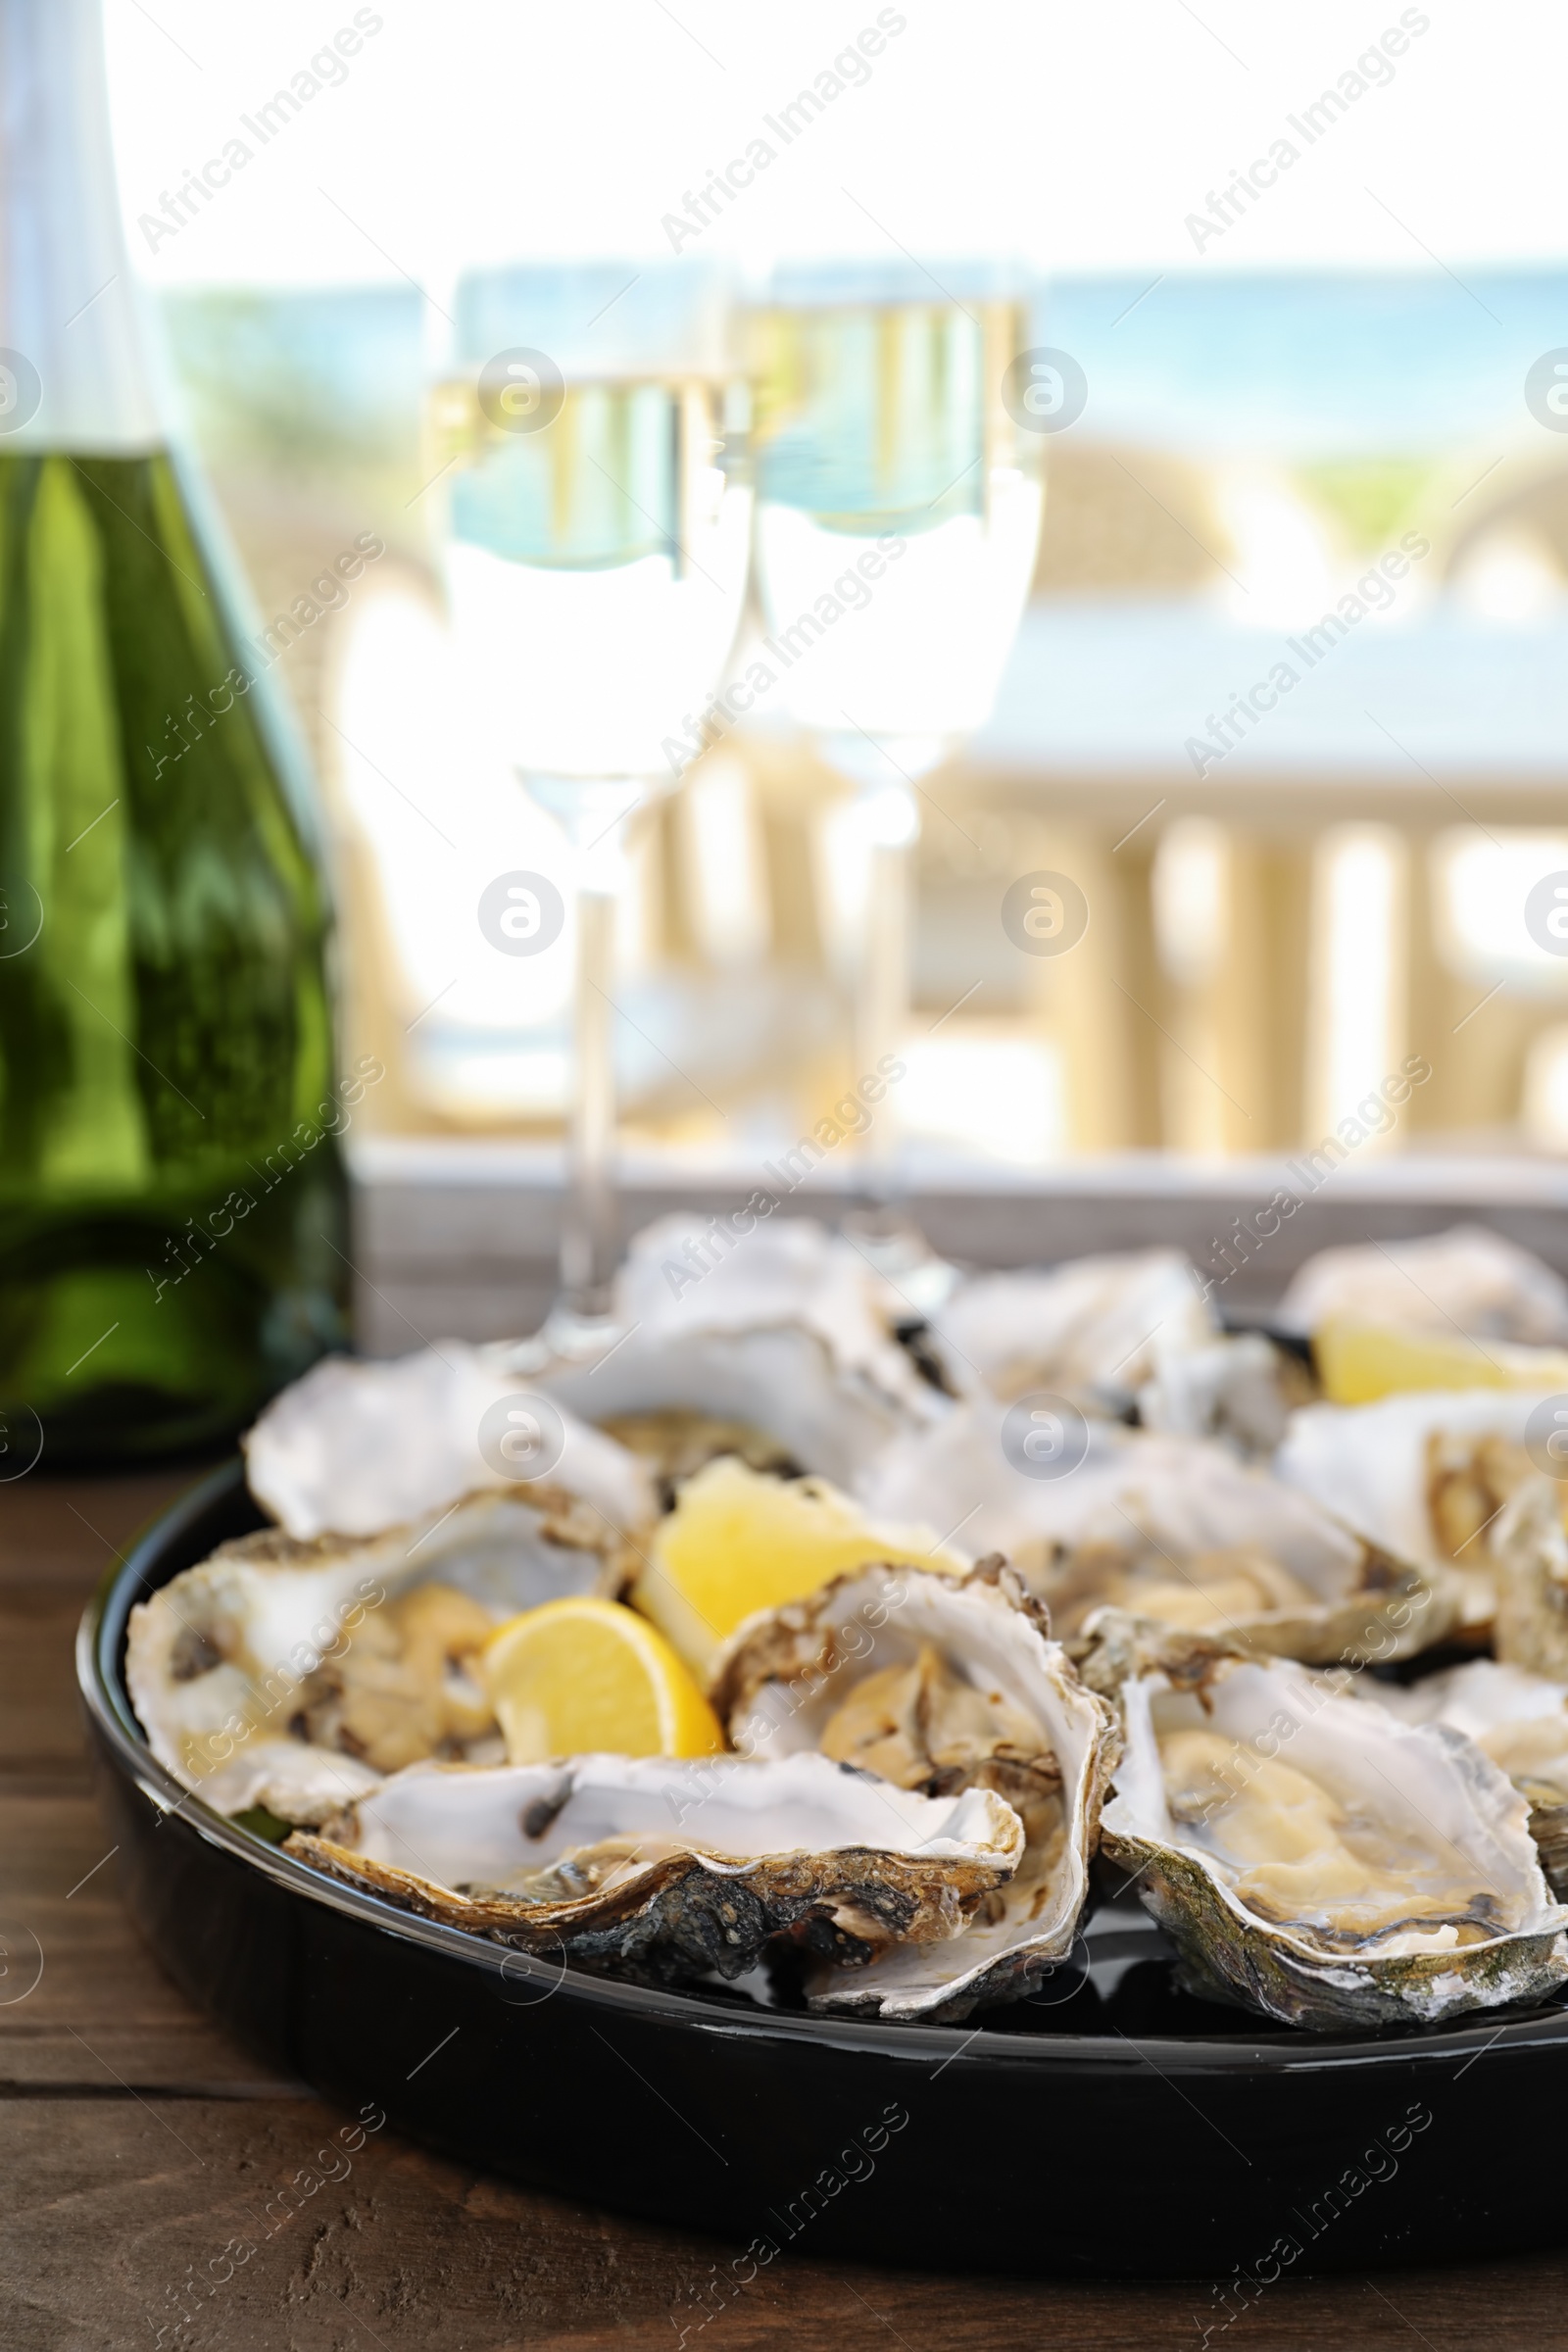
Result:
<point x="1521" y="1720"/>
<point x="1096" y="1330"/>
<point x="360" y="1446"/>
<point x="293" y="1675"/>
<point x="786" y="1337"/>
<point x="1468" y="1278"/>
<point x="938" y="1684"/>
<point x="1312" y="1856"/>
<point x="1240" y="1391"/>
<point x="682" y="1276"/>
<point x="1427" y="1476"/>
<point x="1174" y="1531"/>
<point x="1530" y="1562"/>
<point x="671" y="1870"/>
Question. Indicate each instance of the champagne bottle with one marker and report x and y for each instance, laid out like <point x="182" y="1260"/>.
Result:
<point x="171" y="1191"/>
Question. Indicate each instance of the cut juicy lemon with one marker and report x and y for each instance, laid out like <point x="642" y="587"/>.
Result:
<point x="576" y="1677"/>
<point x="739" y="1540"/>
<point x="1357" y="1362"/>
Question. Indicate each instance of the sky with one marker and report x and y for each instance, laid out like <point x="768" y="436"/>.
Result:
<point x="1074" y="138"/>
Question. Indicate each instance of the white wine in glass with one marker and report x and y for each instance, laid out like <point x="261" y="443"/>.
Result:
<point x="882" y="433"/>
<point x="595" y="560"/>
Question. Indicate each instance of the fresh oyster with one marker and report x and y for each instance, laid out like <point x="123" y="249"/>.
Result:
<point x="1174" y="1531"/>
<point x="1530" y="1562"/>
<point x="683" y="1275"/>
<point x="1312" y="1856"/>
<point x="1240" y="1391"/>
<point x="938" y="1684"/>
<point x="292" y="1675"/>
<point x="1521" y="1720"/>
<point x="1427" y="1476"/>
<point x="356" y="1446"/>
<point x="782" y="1351"/>
<point x="1468" y="1278"/>
<point x="1097" y="1329"/>
<point x="671" y="1870"/>
<point x="786" y="1337"/>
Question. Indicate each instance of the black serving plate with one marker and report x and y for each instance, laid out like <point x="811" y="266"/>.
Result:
<point x="1112" y="2125"/>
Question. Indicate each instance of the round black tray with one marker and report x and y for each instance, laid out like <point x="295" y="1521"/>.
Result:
<point x="1111" y="2126"/>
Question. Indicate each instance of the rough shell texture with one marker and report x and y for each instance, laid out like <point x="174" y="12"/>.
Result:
<point x="1096" y="1330"/>
<point x="1373" y="1466"/>
<point x="358" y="1447"/>
<point x="1164" y="1501"/>
<point x="681" y="1277"/>
<point x="1530" y="1563"/>
<point x="703" y="1864"/>
<point x="1421" y="1782"/>
<point x="219" y="1661"/>
<point x="1468" y="1277"/>
<point x="787" y="1673"/>
<point x="1521" y="1720"/>
<point x="780" y="1378"/>
<point x="1241" y="1391"/>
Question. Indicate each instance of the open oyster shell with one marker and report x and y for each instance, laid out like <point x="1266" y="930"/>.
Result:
<point x="1241" y="1391"/>
<point x="357" y="1446"/>
<point x="1530" y="1563"/>
<point x="670" y="1870"/>
<point x="1521" y="1721"/>
<point x="788" y="1333"/>
<point x="1167" y="1529"/>
<point x="938" y="1684"/>
<point x="1426" y="1475"/>
<point x="1096" y="1330"/>
<point x="1312" y="1856"/>
<point x="1468" y="1278"/>
<point x="779" y="1381"/>
<point x="782" y="1351"/>
<point x="683" y="1275"/>
<point x="292" y="1675"/>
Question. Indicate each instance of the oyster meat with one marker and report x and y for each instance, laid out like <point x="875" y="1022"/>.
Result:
<point x="671" y="1870"/>
<point x="292" y="1675"/>
<point x="1171" y="1530"/>
<point x="1313" y="1857"/>
<point x="1427" y="1476"/>
<point x="938" y="1684"/>
<point x="1530" y="1563"/>
<point x="1521" y="1720"/>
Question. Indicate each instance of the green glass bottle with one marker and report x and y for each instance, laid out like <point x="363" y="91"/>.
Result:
<point x="172" y="1213"/>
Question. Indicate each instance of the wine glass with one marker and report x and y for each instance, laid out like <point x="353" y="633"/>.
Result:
<point x="895" y="484"/>
<point x="590" y="433"/>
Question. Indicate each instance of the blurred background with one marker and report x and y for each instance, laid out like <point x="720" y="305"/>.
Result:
<point x="1289" y="377"/>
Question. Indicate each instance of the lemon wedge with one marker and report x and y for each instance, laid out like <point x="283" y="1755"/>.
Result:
<point x="1358" y="1362"/>
<point x="580" y="1676"/>
<point x="739" y="1540"/>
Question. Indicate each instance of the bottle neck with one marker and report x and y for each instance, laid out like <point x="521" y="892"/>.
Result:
<point x="73" y="369"/>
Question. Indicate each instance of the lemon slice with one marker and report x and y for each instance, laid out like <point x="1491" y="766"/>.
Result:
<point x="580" y="1676"/>
<point x="1358" y="1362"/>
<point x="739" y="1540"/>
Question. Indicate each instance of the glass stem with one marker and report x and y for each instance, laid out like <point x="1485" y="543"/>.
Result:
<point x="883" y="1007"/>
<point x="590" y="1236"/>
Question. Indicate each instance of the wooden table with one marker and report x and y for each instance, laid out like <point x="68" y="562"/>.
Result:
<point x="137" y="2141"/>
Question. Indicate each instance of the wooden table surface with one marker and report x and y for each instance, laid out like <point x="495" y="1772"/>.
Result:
<point x="136" y="2141"/>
